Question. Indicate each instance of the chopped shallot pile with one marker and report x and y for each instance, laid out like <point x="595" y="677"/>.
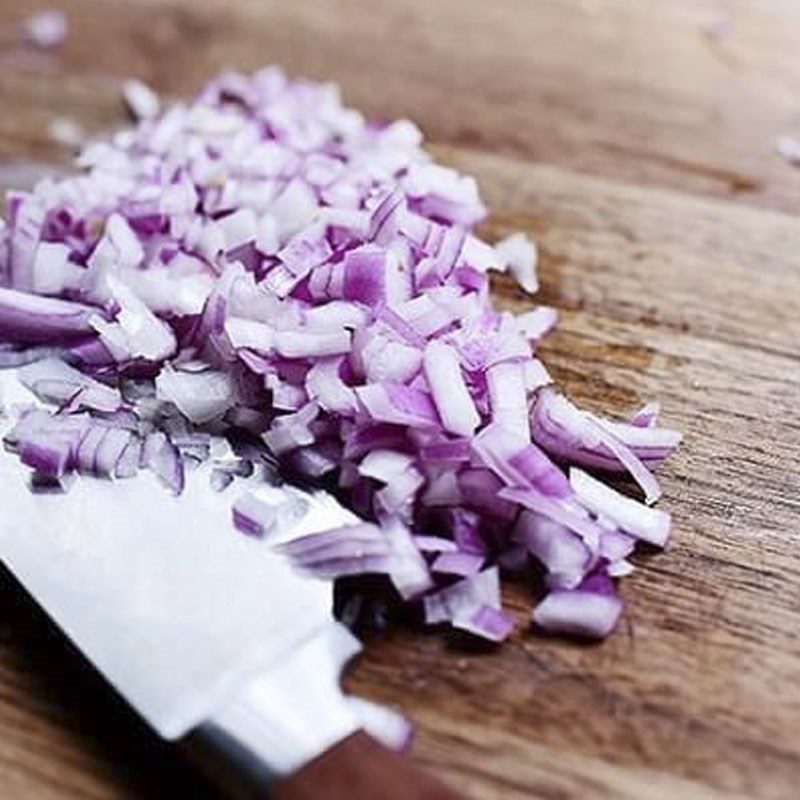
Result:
<point x="265" y="266"/>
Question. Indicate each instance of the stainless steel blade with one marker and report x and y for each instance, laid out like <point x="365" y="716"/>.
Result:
<point x="176" y="608"/>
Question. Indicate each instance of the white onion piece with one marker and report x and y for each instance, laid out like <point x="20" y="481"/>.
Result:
<point x="385" y="465"/>
<point x="66" y="131"/>
<point x="259" y="514"/>
<point x="238" y="229"/>
<point x="294" y="208"/>
<point x="621" y="568"/>
<point x="789" y="148"/>
<point x="649" y="524"/>
<point x="408" y="570"/>
<point x="518" y="253"/>
<point x="324" y="384"/>
<point x="52" y="270"/>
<point x="53" y="381"/>
<point x="450" y="393"/>
<point x="200" y="396"/>
<point x="137" y="332"/>
<point x="647" y="416"/>
<point x="579" y="613"/>
<point x="247" y="333"/>
<point x="467" y="595"/>
<point x="535" y="375"/>
<point x="118" y="248"/>
<point x="487" y="622"/>
<point x="299" y="344"/>
<point x="336" y="315"/>
<point x="291" y="431"/>
<point x="141" y="100"/>
<point x="508" y="400"/>
<point x="537" y="323"/>
<point x="47" y="29"/>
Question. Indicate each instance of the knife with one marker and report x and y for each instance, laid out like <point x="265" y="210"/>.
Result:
<point x="207" y="633"/>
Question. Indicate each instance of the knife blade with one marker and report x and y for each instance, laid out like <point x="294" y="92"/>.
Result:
<point x="209" y="634"/>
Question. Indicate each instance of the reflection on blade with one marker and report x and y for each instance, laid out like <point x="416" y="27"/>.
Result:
<point x="169" y="602"/>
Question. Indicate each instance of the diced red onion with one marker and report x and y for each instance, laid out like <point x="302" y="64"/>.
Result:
<point x="30" y="319"/>
<point x="615" y="545"/>
<point x="442" y="490"/>
<point x="648" y="524"/>
<point x="361" y="533"/>
<point x="408" y="572"/>
<point x="136" y="332"/>
<point x="382" y="358"/>
<point x="536" y="375"/>
<point x="248" y="333"/>
<point x="590" y="610"/>
<point x="398" y="404"/>
<point x="464" y="564"/>
<point x="53" y="381"/>
<point x="47" y="29"/>
<point x="581" y="438"/>
<point x="53" y="272"/>
<point x="564" y="554"/>
<point x="788" y="147"/>
<point x="518" y="253"/>
<point x="647" y="416"/>
<point x="265" y="263"/>
<point x="518" y="465"/>
<point x="47" y="456"/>
<point x="621" y="568"/>
<point x="305" y="344"/>
<point x="164" y="459"/>
<point x="487" y="622"/>
<point x="336" y="315"/>
<point x="555" y="509"/>
<point x="434" y="544"/>
<point x="142" y="101"/>
<point x="507" y="398"/>
<point x="450" y="393"/>
<point x="291" y="431"/>
<point x="464" y="598"/>
<point x="538" y="323"/>
<point x="261" y="514"/>
<point x="325" y="385"/>
<point x="200" y="396"/>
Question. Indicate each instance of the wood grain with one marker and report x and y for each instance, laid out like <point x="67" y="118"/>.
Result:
<point x="633" y="89"/>
<point x="638" y="151"/>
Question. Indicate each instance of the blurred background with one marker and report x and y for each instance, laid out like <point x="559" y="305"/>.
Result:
<point x="691" y="94"/>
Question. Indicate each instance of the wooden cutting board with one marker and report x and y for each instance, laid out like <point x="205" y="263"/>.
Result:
<point x="636" y="144"/>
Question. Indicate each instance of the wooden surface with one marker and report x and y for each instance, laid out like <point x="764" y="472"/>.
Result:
<point x="639" y="151"/>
